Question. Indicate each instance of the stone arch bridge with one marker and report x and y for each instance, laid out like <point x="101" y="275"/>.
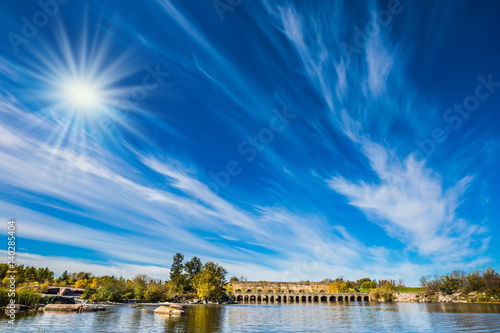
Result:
<point x="299" y="297"/>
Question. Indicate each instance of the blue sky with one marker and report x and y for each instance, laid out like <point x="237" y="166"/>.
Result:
<point x="286" y="140"/>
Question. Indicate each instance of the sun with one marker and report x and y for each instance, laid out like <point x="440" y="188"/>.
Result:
<point x="82" y="96"/>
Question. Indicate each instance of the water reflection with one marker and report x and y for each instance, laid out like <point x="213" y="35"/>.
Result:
<point x="318" y="317"/>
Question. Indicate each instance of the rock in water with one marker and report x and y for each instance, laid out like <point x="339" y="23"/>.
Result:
<point x="72" y="308"/>
<point x="15" y="308"/>
<point x="168" y="310"/>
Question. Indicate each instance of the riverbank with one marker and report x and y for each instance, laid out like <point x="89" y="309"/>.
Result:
<point x="421" y="297"/>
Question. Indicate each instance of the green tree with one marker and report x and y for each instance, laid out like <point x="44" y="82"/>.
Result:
<point x="361" y="281"/>
<point x="111" y="289"/>
<point x="234" y="279"/>
<point x="491" y="281"/>
<point x="44" y="274"/>
<point x="473" y="282"/>
<point x="180" y="284"/>
<point x="368" y="285"/>
<point x="139" y="285"/>
<point x="193" y="267"/>
<point x="177" y="266"/>
<point x="155" y="292"/>
<point x="449" y="284"/>
<point x="64" y="277"/>
<point x="210" y="281"/>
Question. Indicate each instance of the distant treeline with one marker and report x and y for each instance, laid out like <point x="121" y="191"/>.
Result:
<point x="190" y="279"/>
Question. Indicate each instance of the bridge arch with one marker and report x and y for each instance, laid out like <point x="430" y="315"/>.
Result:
<point x="359" y="299"/>
<point x="332" y="299"/>
<point x="353" y="298"/>
<point x="341" y="299"/>
<point x="324" y="299"/>
<point x="366" y="299"/>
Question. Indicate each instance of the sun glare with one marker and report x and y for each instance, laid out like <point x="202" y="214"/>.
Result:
<point x="82" y="96"/>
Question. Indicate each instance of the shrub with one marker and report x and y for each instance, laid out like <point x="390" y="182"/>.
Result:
<point x="381" y="294"/>
<point x="28" y="297"/>
<point x="81" y="283"/>
<point x="449" y="284"/>
<point x="368" y="285"/>
<point x="88" y="292"/>
<point x="4" y="299"/>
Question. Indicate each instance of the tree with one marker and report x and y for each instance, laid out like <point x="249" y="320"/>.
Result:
<point x="154" y="292"/>
<point x="368" y="285"/>
<point x="473" y="282"/>
<point x="491" y="281"/>
<point x="338" y="287"/>
<point x="111" y="288"/>
<point x="449" y="284"/>
<point x="430" y="284"/>
<point x="64" y="277"/>
<point x="361" y="281"/>
<point x="177" y="266"/>
<point x="350" y="284"/>
<point x="180" y="284"/>
<point x="139" y="283"/>
<point x="234" y="279"/>
<point x="344" y="286"/>
<point x="44" y="274"/>
<point x="334" y="287"/>
<point x="193" y="267"/>
<point x="30" y="273"/>
<point x="94" y="283"/>
<point x="210" y="281"/>
<point x="81" y="283"/>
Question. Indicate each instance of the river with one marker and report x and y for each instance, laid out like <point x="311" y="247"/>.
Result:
<point x="318" y="317"/>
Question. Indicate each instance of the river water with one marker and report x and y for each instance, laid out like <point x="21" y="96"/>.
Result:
<point x="318" y="317"/>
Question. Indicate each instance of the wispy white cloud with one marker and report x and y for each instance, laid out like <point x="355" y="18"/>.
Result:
<point x="409" y="202"/>
<point x="408" y="199"/>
